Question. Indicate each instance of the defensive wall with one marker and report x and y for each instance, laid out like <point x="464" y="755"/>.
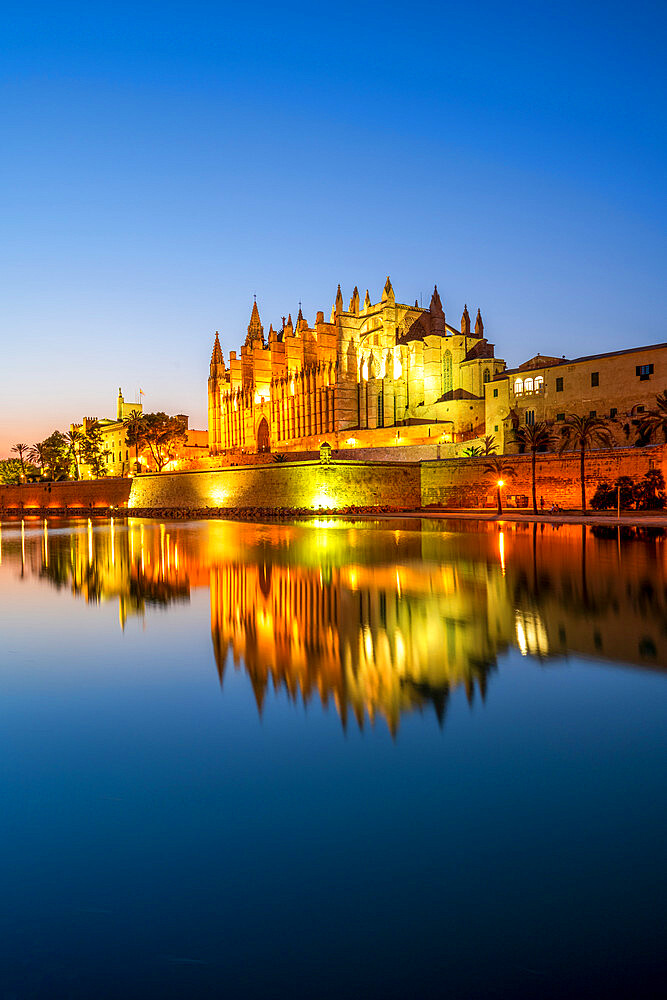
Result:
<point x="69" y="495"/>
<point x="463" y="483"/>
<point x="454" y="483"/>
<point x="295" y="484"/>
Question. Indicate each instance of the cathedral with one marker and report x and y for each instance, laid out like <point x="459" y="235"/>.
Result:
<point x="374" y="374"/>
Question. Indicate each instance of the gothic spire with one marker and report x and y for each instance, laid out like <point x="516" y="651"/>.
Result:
<point x="216" y="356"/>
<point x="479" y="326"/>
<point x="437" y="314"/>
<point x="388" y="291"/>
<point x="465" y="322"/>
<point x="255" y="328"/>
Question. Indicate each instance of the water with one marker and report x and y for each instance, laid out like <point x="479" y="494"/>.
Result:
<point x="331" y="759"/>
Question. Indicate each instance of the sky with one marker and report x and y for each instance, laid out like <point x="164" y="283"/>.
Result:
<point x="161" y="163"/>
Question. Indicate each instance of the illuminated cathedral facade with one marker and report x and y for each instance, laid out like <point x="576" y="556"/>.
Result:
<point x="372" y="375"/>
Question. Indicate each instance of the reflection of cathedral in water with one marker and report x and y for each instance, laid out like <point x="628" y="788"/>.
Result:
<point x="376" y="621"/>
<point x="370" y="639"/>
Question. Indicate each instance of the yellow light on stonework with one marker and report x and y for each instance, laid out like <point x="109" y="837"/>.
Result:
<point x="352" y="441"/>
<point x="291" y="387"/>
<point x="398" y="368"/>
<point x="258" y="399"/>
<point x="364" y="371"/>
<point x="219" y="495"/>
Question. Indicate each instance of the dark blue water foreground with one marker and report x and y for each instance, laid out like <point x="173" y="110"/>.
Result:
<point x="331" y="760"/>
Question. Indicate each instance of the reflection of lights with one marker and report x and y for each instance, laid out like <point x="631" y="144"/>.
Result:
<point x="113" y="548"/>
<point x="368" y="643"/>
<point x="46" y="543"/>
<point x="398" y="583"/>
<point x="90" y="541"/>
<point x="521" y="638"/>
<point x="353" y="579"/>
<point x="22" y="542"/>
<point x="501" y="549"/>
<point x="531" y="634"/>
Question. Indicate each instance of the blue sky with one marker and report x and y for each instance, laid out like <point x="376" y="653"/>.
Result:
<point x="160" y="163"/>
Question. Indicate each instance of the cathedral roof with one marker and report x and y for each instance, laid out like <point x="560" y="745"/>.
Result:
<point x="457" y="394"/>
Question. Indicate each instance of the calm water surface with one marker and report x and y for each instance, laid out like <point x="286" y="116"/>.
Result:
<point x="331" y="760"/>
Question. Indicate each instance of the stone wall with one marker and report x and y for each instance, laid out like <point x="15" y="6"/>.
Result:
<point x="60" y="496"/>
<point x="295" y="484"/>
<point x="462" y="482"/>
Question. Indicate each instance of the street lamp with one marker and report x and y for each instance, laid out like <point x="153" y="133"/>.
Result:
<point x="499" y="486"/>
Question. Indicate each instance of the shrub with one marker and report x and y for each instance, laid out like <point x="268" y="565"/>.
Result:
<point x="649" y="492"/>
<point x="604" y="497"/>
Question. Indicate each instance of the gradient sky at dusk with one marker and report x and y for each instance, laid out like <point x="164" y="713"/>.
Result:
<point x="160" y="163"/>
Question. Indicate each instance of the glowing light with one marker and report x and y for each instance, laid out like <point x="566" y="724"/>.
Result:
<point x="113" y="548"/>
<point x="501" y="549"/>
<point x="501" y="482"/>
<point x="90" y="541"/>
<point x="219" y="495"/>
<point x="352" y="441"/>
<point x="46" y="543"/>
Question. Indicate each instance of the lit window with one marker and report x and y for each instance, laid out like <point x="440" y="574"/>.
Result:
<point x="539" y="383"/>
<point x="528" y="385"/>
<point x="518" y="387"/>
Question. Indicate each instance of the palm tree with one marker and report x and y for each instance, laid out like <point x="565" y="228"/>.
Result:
<point x="489" y="445"/>
<point x="654" y="421"/>
<point x="581" y="433"/>
<point x="534" y="438"/>
<point x="37" y="455"/>
<point x="73" y="439"/>
<point x="500" y="470"/>
<point x="132" y="422"/>
<point x="21" y="449"/>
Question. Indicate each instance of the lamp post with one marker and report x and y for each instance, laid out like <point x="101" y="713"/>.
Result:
<point x="499" y="486"/>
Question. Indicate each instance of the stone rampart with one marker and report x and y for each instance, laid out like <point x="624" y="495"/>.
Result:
<point x="82" y="495"/>
<point x="311" y="485"/>
<point x="461" y="482"/>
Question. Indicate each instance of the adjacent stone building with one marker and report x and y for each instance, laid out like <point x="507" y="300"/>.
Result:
<point x="373" y="374"/>
<point x="620" y="386"/>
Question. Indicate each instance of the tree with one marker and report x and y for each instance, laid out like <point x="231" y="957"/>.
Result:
<point x="132" y="425"/>
<point x="500" y="470"/>
<point x="13" y="471"/>
<point x="474" y="451"/>
<point x="21" y="449"/>
<point x="581" y="433"/>
<point x="655" y="421"/>
<point x="534" y="438"/>
<point x="73" y="439"/>
<point x="160" y="434"/>
<point x="37" y="454"/>
<point x="649" y="492"/>
<point x="489" y="445"/>
<point x="91" y="451"/>
<point x="56" y="455"/>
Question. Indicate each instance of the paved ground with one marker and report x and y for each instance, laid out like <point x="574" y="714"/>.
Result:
<point x="628" y="518"/>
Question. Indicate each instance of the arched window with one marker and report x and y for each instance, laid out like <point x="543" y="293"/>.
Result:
<point x="447" y="371"/>
<point x="539" y="383"/>
<point x="528" y="385"/>
<point x="518" y="387"/>
<point x="487" y="375"/>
